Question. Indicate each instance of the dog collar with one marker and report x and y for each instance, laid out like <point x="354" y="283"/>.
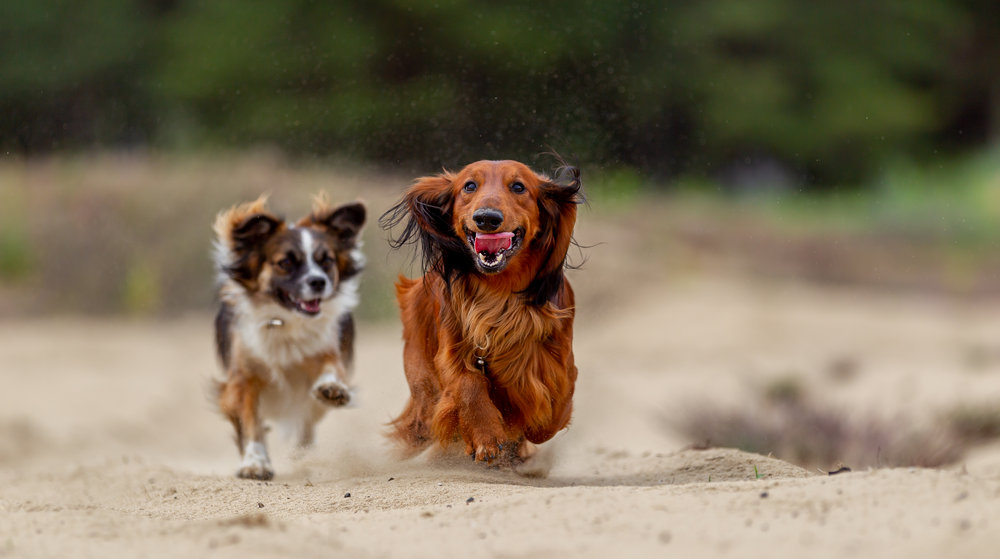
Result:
<point x="274" y="323"/>
<point x="481" y="360"/>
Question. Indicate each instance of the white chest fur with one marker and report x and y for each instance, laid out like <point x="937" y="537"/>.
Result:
<point x="283" y="338"/>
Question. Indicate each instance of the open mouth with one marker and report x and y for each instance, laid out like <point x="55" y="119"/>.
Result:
<point x="308" y="306"/>
<point x="494" y="249"/>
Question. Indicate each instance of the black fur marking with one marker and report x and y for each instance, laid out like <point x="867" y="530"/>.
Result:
<point x="346" y="221"/>
<point x="347" y="265"/>
<point x="349" y="270"/>
<point x="427" y="223"/>
<point x="343" y="225"/>
<point x="223" y="333"/>
<point x="555" y="196"/>
<point x="253" y="231"/>
<point x="347" y="339"/>
<point x="544" y="287"/>
<point x="247" y="238"/>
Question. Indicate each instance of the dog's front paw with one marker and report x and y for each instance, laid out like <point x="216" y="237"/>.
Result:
<point x="256" y="464"/>
<point x="485" y="452"/>
<point x="332" y="394"/>
<point x="485" y="447"/>
<point x="261" y="472"/>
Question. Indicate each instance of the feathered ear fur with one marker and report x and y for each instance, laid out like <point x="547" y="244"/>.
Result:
<point x="242" y="231"/>
<point x="343" y="222"/>
<point x="557" y="203"/>
<point x="425" y="212"/>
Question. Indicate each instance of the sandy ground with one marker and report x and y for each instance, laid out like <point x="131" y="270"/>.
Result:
<point x="108" y="446"/>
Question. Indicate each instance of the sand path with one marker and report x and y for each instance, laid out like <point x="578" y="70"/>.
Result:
<point x="109" y="448"/>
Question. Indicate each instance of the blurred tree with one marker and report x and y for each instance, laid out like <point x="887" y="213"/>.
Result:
<point x="70" y="74"/>
<point x="822" y="91"/>
<point x="829" y="87"/>
<point x="972" y="76"/>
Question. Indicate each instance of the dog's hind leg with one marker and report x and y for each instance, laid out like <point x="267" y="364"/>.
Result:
<point x="413" y="427"/>
<point x="239" y="398"/>
<point x="307" y="431"/>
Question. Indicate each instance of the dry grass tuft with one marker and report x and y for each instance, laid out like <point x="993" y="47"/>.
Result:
<point x="975" y="424"/>
<point x="784" y="422"/>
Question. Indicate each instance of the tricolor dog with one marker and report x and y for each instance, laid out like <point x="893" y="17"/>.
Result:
<point x="284" y="330"/>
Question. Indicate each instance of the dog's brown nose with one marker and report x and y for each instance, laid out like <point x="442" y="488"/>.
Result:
<point x="487" y="219"/>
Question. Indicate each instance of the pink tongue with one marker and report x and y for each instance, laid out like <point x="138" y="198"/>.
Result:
<point x="493" y="242"/>
<point x="310" y="306"/>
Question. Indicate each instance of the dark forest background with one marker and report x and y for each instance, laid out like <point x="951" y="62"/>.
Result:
<point x="808" y="94"/>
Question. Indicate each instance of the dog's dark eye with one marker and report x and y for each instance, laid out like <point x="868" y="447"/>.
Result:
<point x="287" y="264"/>
<point x="325" y="260"/>
<point x="470" y="186"/>
<point x="517" y="188"/>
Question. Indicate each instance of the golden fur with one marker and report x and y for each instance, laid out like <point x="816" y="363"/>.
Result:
<point x="488" y="356"/>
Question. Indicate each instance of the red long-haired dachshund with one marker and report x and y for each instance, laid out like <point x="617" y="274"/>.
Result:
<point x="488" y="329"/>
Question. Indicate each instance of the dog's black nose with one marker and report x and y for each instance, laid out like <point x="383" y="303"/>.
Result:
<point x="317" y="284"/>
<point x="488" y="219"/>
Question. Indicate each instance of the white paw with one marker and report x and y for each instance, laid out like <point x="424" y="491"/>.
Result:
<point x="256" y="464"/>
<point x="333" y="393"/>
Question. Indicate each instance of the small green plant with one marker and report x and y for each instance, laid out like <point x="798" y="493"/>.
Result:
<point x="756" y="474"/>
<point x="15" y="262"/>
<point x="15" y="243"/>
<point x="142" y="291"/>
<point x="785" y="390"/>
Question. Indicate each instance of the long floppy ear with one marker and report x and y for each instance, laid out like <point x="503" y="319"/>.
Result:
<point x="426" y="205"/>
<point x="425" y="212"/>
<point x="557" y="203"/>
<point x="242" y="232"/>
<point x="343" y="222"/>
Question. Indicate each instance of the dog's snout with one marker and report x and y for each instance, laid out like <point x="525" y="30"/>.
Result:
<point x="488" y="219"/>
<point x="317" y="284"/>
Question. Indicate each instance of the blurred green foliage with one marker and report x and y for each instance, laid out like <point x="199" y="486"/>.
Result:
<point x="14" y="261"/>
<point x="823" y="91"/>
<point x="141" y="293"/>
<point x="15" y="251"/>
<point x="955" y="202"/>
